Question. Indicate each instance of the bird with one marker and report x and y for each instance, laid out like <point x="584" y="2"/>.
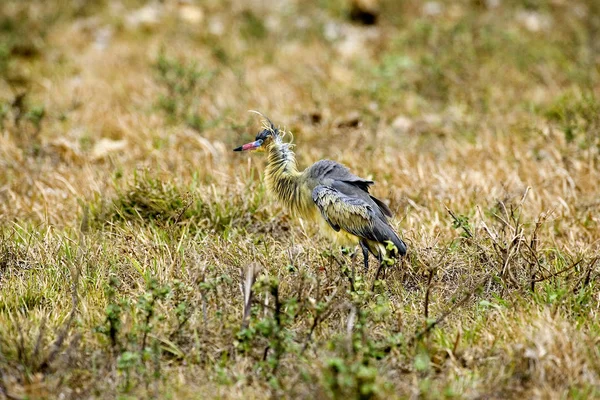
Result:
<point x="329" y="194"/>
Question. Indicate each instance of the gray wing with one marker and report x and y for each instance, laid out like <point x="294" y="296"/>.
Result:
<point x="338" y="172"/>
<point x="355" y="216"/>
<point x="343" y="212"/>
<point x="336" y="175"/>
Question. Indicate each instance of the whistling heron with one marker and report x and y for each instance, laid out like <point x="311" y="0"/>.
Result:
<point x="328" y="193"/>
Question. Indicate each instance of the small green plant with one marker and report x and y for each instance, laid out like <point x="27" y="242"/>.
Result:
<point x="135" y="347"/>
<point x="114" y="309"/>
<point x="4" y="59"/>
<point x="4" y="113"/>
<point x="127" y="364"/>
<point x="24" y="120"/>
<point x="462" y="222"/>
<point x="35" y="115"/>
<point x="146" y="309"/>
<point x="253" y="26"/>
<point x="351" y="373"/>
<point x="350" y="380"/>
<point x="271" y="330"/>
<point x="183" y="309"/>
<point x="578" y="115"/>
<point x="185" y="84"/>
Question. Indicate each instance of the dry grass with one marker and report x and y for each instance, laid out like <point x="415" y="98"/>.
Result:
<point x="129" y="230"/>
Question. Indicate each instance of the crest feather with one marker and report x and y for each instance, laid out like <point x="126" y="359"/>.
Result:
<point x="268" y="124"/>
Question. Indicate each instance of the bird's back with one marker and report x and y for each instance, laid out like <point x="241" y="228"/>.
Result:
<point x="333" y="174"/>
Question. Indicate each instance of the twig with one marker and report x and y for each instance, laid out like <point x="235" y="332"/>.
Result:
<point x="183" y="210"/>
<point x="455" y="218"/>
<point x="559" y="272"/>
<point x="429" y="280"/>
<point x="588" y="275"/>
<point x="149" y="316"/>
<point x="346" y="273"/>
<point x="524" y="196"/>
<point x="278" y="322"/>
<point x="320" y="317"/>
<point x="251" y="273"/>
<point x="350" y="325"/>
<point x="449" y="311"/>
<point x="456" y="341"/>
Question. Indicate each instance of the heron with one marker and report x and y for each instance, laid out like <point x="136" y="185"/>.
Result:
<point x="330" y="195"/>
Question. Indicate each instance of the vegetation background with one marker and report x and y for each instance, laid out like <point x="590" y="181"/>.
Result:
<point x="131" y="235"/>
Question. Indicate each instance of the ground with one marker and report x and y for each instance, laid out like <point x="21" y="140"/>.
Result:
<point x="140" y="257"/>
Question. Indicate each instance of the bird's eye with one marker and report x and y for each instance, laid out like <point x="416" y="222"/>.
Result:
<point x="259" y="142"/>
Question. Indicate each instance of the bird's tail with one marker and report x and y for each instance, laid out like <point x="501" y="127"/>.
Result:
<point x="385" y="233"/>
<point x="400" y="245"/>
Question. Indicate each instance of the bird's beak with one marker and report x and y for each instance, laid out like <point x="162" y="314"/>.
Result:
<point x="249" y="146"/>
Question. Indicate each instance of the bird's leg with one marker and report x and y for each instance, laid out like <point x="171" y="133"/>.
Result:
<point x="380" y="259"/>
<point x="352" y="260"/>
<point x="365" y="251"/>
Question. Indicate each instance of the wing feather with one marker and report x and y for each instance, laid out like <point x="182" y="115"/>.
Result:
<point x="353" y="215"/>
<point x="345" y="181"/>
<point x="333" y="170"/>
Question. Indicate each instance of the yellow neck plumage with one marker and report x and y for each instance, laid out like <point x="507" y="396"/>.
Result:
<point x="284" y="180"/>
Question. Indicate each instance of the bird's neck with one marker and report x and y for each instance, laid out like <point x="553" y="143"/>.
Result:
<point x="282" y="177"/>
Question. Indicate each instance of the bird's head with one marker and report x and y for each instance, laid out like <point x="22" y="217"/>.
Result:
<point x="263" y="138"/>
